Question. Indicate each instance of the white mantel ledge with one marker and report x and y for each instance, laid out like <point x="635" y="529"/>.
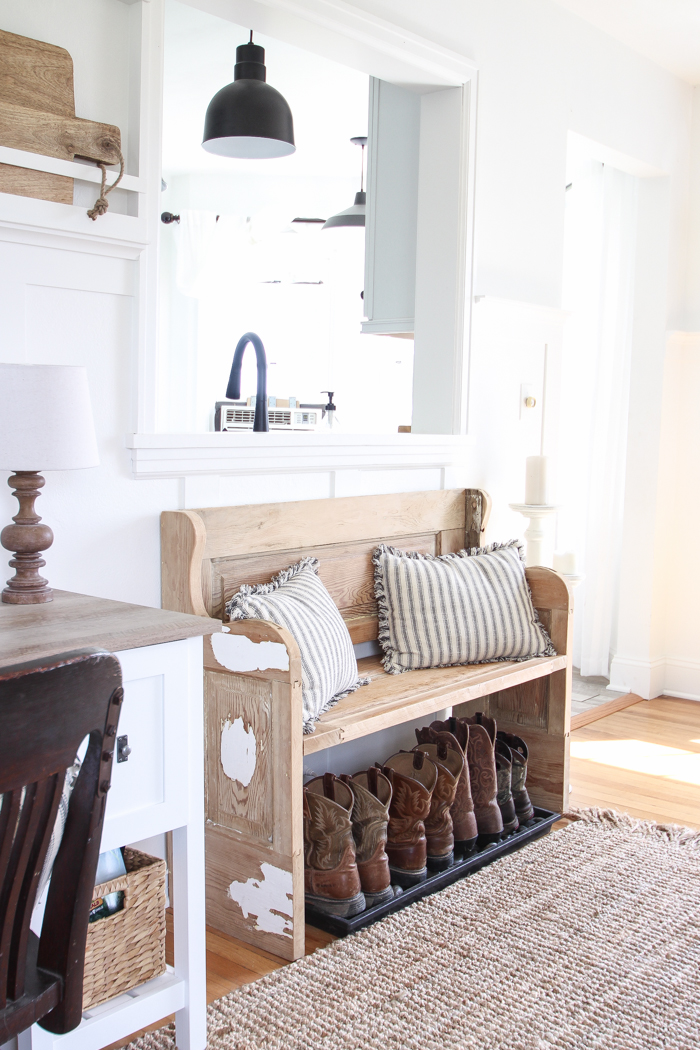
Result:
<point x="181" y="455"/>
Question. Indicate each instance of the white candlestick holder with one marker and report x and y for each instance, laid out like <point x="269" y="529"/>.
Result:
<point x="535" y="534"/>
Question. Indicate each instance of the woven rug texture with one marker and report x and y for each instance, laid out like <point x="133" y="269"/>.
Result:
<point x="586" y="939"/>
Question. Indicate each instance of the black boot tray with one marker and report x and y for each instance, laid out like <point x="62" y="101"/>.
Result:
<point x="341" y="927"/>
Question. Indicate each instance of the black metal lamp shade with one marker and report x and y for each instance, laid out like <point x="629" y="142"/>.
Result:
<point x="355" y="214"/>
<point x="352" y="216"/>
<point x="249" y="118"/>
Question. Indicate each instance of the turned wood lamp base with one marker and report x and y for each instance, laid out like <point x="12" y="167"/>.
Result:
<point x="26" y="539"/>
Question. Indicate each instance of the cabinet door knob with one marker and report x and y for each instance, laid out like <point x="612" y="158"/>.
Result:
<point x="123" y="749"/>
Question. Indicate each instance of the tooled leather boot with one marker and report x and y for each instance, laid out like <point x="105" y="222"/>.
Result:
<point x="439" y="830"/>
<point x="504" y="770"/>
<point x="519" y="754"/>
<point x="412" y="777"/>
<point x="331" y="880"/>
<point x="462" y="809"/>
<point x="370" y="816"/>
<point x="482" y="773"/>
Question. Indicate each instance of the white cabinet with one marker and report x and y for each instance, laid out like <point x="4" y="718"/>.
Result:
<point x="150" y="791"/>
<point x="418" y="240"/>
<point x="392" y="208"/>
<point x="159" y="788"/>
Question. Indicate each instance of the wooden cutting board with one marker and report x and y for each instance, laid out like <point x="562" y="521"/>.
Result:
<point x="37" y="114"/>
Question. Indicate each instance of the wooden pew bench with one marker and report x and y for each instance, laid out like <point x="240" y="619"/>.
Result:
<point x="253" y="715"/>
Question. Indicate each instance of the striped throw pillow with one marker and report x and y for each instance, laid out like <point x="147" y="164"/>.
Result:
<point x="296" y="599"/>
<point x="473" y="607"/>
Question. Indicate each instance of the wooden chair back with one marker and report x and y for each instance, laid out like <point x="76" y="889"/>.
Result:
<point x="207" y="554"/>
<point x="47" y="708"/>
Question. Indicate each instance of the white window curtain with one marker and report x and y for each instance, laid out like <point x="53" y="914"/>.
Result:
<point x="600" y="240"/>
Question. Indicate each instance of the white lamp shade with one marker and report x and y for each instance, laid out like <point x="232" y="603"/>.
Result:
<point x="46" y="418"/>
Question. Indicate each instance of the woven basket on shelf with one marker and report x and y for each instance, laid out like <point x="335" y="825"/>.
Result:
<point x="127" y="948"/>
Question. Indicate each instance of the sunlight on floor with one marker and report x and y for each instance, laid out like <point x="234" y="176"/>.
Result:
<point x="641" y="756"/>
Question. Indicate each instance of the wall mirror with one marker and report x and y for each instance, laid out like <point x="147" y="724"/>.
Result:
<point x="378" y="314"/>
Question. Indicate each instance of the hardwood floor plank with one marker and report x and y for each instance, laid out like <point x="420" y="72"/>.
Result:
<point x="259" y="961"/>
<point x="652" y="762"/>
<point x="598" y="711"/>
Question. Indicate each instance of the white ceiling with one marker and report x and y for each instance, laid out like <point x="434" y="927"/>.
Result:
<point x="666" y="31"/>
<point x="328" y="101"/>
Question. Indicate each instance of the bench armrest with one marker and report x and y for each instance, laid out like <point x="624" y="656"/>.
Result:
<point x="551" y="598"/>
<point x="255" y="648"/>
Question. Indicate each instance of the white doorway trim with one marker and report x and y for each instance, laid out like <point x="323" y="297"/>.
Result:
<point x="374" y="46"/>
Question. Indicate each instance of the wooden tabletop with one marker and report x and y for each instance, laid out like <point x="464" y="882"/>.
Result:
<point x="76" y="621"/>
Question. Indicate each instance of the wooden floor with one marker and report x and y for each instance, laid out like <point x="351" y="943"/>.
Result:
<point x="644" y="760"/>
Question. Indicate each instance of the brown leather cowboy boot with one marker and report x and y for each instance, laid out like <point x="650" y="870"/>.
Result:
<point x="412" y="777"/>
<point x="331" y="880"/>
<point x="370" y="816"/>
<point x="439" y="831"/>
<point x="519" y="754"/>
<point x="504" y="771"/>
<point x="482" y="773"/>
<point x="462" y="809"/>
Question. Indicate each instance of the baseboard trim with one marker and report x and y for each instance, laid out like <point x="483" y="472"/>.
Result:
<point x="610" y="707"/>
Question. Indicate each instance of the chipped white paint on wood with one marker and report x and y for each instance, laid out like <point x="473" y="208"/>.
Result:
<point x="238" y="751"/>
<point x="268" y="899"/>
<point x="235" y="652"/>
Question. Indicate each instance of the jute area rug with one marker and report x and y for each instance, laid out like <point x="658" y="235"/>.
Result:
<point x="587" y="939"/>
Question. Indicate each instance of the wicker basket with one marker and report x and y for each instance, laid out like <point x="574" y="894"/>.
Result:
<point x="127" y="948"/>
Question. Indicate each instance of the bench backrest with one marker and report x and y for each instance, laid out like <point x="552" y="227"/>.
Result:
<point x="207" y="554"/>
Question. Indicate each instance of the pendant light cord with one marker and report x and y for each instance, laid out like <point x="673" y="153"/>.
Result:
<point x="102" y="204"/>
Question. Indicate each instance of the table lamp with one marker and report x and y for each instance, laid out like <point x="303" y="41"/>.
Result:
<point x="45" y="424"/>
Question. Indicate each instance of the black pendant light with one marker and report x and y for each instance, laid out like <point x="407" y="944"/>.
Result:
<point x="249" y="118"/>
<point x="354" y="215"/>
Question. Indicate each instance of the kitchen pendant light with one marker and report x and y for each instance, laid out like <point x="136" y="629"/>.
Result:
<point x="249" y="118"/>
<point x="354" y="215"/>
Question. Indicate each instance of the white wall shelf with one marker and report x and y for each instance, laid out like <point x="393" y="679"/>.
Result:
<point x="71" y="168"/>
<point x="26" y="218"/>
<point x="181" y="455"/>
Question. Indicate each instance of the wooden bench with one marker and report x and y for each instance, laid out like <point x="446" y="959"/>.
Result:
<point x="254" y="740"/>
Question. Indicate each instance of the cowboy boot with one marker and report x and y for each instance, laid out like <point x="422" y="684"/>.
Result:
<point x="439" y="832"/>
<point x="331" y="880"/>
<point x="462" y="809"/>
<point x="412" y="777"/>
<point x="504" y="771"/>
<point x="519" y="752"/>
<point x="482" y="773"/>
<point x="370" y="816"/>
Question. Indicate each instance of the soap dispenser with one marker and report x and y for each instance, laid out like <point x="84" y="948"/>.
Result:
<point x="329" y="420"/>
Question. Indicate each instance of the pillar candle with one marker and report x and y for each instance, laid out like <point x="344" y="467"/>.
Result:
<point x="536" y="480"/>
<point x="565" y="563"/>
